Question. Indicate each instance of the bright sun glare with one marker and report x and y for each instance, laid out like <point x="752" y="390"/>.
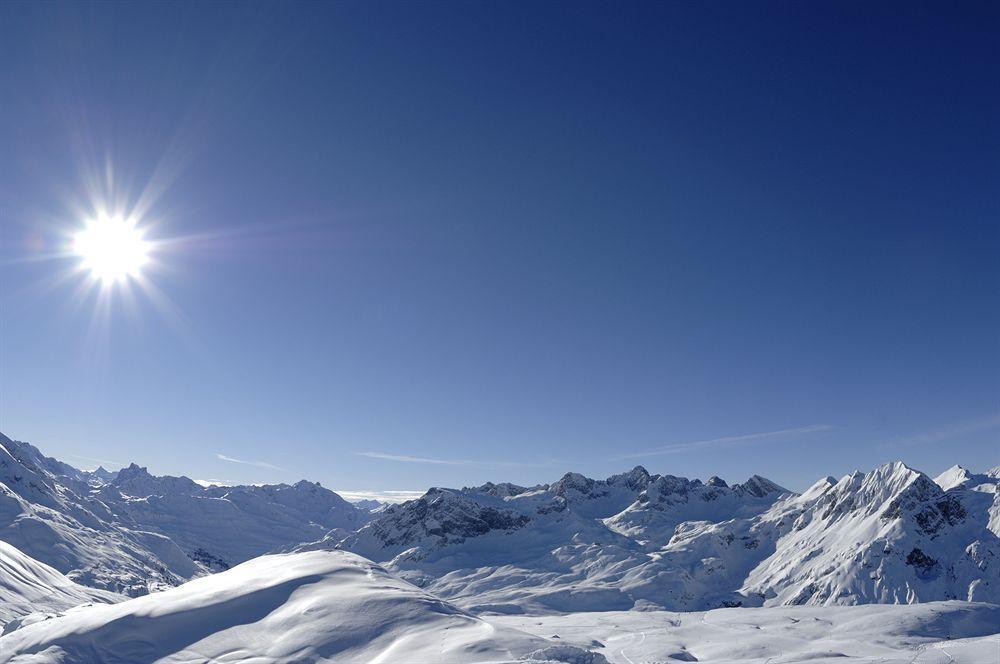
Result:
<point x="112" y="248"/>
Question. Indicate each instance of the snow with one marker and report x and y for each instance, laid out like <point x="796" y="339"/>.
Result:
<point x="28" y="586"/>
<point x="870" y="565"/>
<point x="321" y="606"/>
<point x="931" y="633"/>
<point x="649" y="541"/>
<point x="133" y="532"/>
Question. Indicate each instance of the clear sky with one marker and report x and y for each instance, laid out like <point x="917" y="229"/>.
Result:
<point x="408" y="244"/>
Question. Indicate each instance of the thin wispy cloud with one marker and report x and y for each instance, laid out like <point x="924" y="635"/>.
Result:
<point x="258" y="464"/>
<point x="727" y="441"/>
<point x="955" y="431"/>
<point x="103" y="462"/>
<point x="402" y="458"/>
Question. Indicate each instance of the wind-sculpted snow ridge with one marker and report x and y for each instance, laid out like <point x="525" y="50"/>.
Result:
<point x="30" y="587"/>
<point x="321" y="606"/>
<point x="639" y="541"/>
<point x="132" y="532"/>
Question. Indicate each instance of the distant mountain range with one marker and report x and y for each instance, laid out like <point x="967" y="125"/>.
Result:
<point x="641" y="541"/>
<point x="131" y="532"/>
<point x="631" y="541"/>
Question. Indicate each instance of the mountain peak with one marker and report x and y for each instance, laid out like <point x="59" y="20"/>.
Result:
<point x="131" y="471"/>
<point x="953" y="477"/>
<point x="759" y="486"/>
<point x="637" y="478"/>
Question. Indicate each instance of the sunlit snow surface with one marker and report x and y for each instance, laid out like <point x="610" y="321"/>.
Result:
<point x="28" y="586"/>
<point x="333" y="606"/>
<point x="310" y="607"/>
<point x="931" y="633"/>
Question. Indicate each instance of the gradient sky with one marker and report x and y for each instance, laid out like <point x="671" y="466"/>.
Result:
<point x="415" y="244"/>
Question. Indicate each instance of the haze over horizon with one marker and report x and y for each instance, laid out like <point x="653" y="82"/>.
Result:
<point x="696" y="238"/>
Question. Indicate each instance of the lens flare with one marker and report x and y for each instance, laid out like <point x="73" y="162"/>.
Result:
<point x="111" y="248"/>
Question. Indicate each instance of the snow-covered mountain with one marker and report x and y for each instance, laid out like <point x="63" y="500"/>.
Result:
<point x="631" y="541"/>
<point x="641" y="541"/>
<point x="47" y="512"/>
<point x="30" y="587"/>
<point x="575" y="544"/>
<point x="322" y="606"/>
<point x="132" y="532"/>
<point x="223" y="526"/>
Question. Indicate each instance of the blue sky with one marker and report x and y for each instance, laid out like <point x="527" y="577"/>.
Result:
<point x="411" y="244"/>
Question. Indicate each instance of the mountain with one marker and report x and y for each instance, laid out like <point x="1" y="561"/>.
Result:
<point x="657" y="541"/>
<point x="47" y="511"/>
<point x="632" y="541"/>
<point x="889" y="536"/>
<point x="369" y="505"/>
<point x="132" y="532"/>
<point x="576" y="544"/>
<point x="988" y="482"/>
<point x="223" y="526"/>
<point x="303" y="607"/>
<point x="28" y="586"/>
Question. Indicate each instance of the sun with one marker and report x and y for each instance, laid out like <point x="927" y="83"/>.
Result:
<point x="111" y="248"/>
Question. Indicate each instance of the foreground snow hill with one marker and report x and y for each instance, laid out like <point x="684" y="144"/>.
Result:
<point x="28" y="586"/>
<point x="132" y="532"/>
<point x="324" y="606"/>
<point x="892" y="535"/>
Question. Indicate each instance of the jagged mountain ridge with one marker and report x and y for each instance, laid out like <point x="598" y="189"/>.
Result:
<point x="131" y="532"/>
<point x="225" y="525"/>
<point x="633" y="540"/>
<point x="575" y="544"/>
<point x="892" y="535"/>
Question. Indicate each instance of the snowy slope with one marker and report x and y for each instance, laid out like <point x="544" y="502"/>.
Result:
<point x="322" y="606"/>
<point x="988" y="482"/>
<point x="46" y="511"/>
<point x="931" y="633"/>
<point x="28" y="586"/>
<point x="888" y="536"/>
<point x="132" y="532"/>
<point x="224" y="526"/>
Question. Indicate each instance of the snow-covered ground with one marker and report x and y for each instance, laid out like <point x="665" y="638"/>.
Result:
<point x="334" y="606"/>
<point x="867" y="568"/>
<point x="322" y="606"/>
<point x="931" y="633"/>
